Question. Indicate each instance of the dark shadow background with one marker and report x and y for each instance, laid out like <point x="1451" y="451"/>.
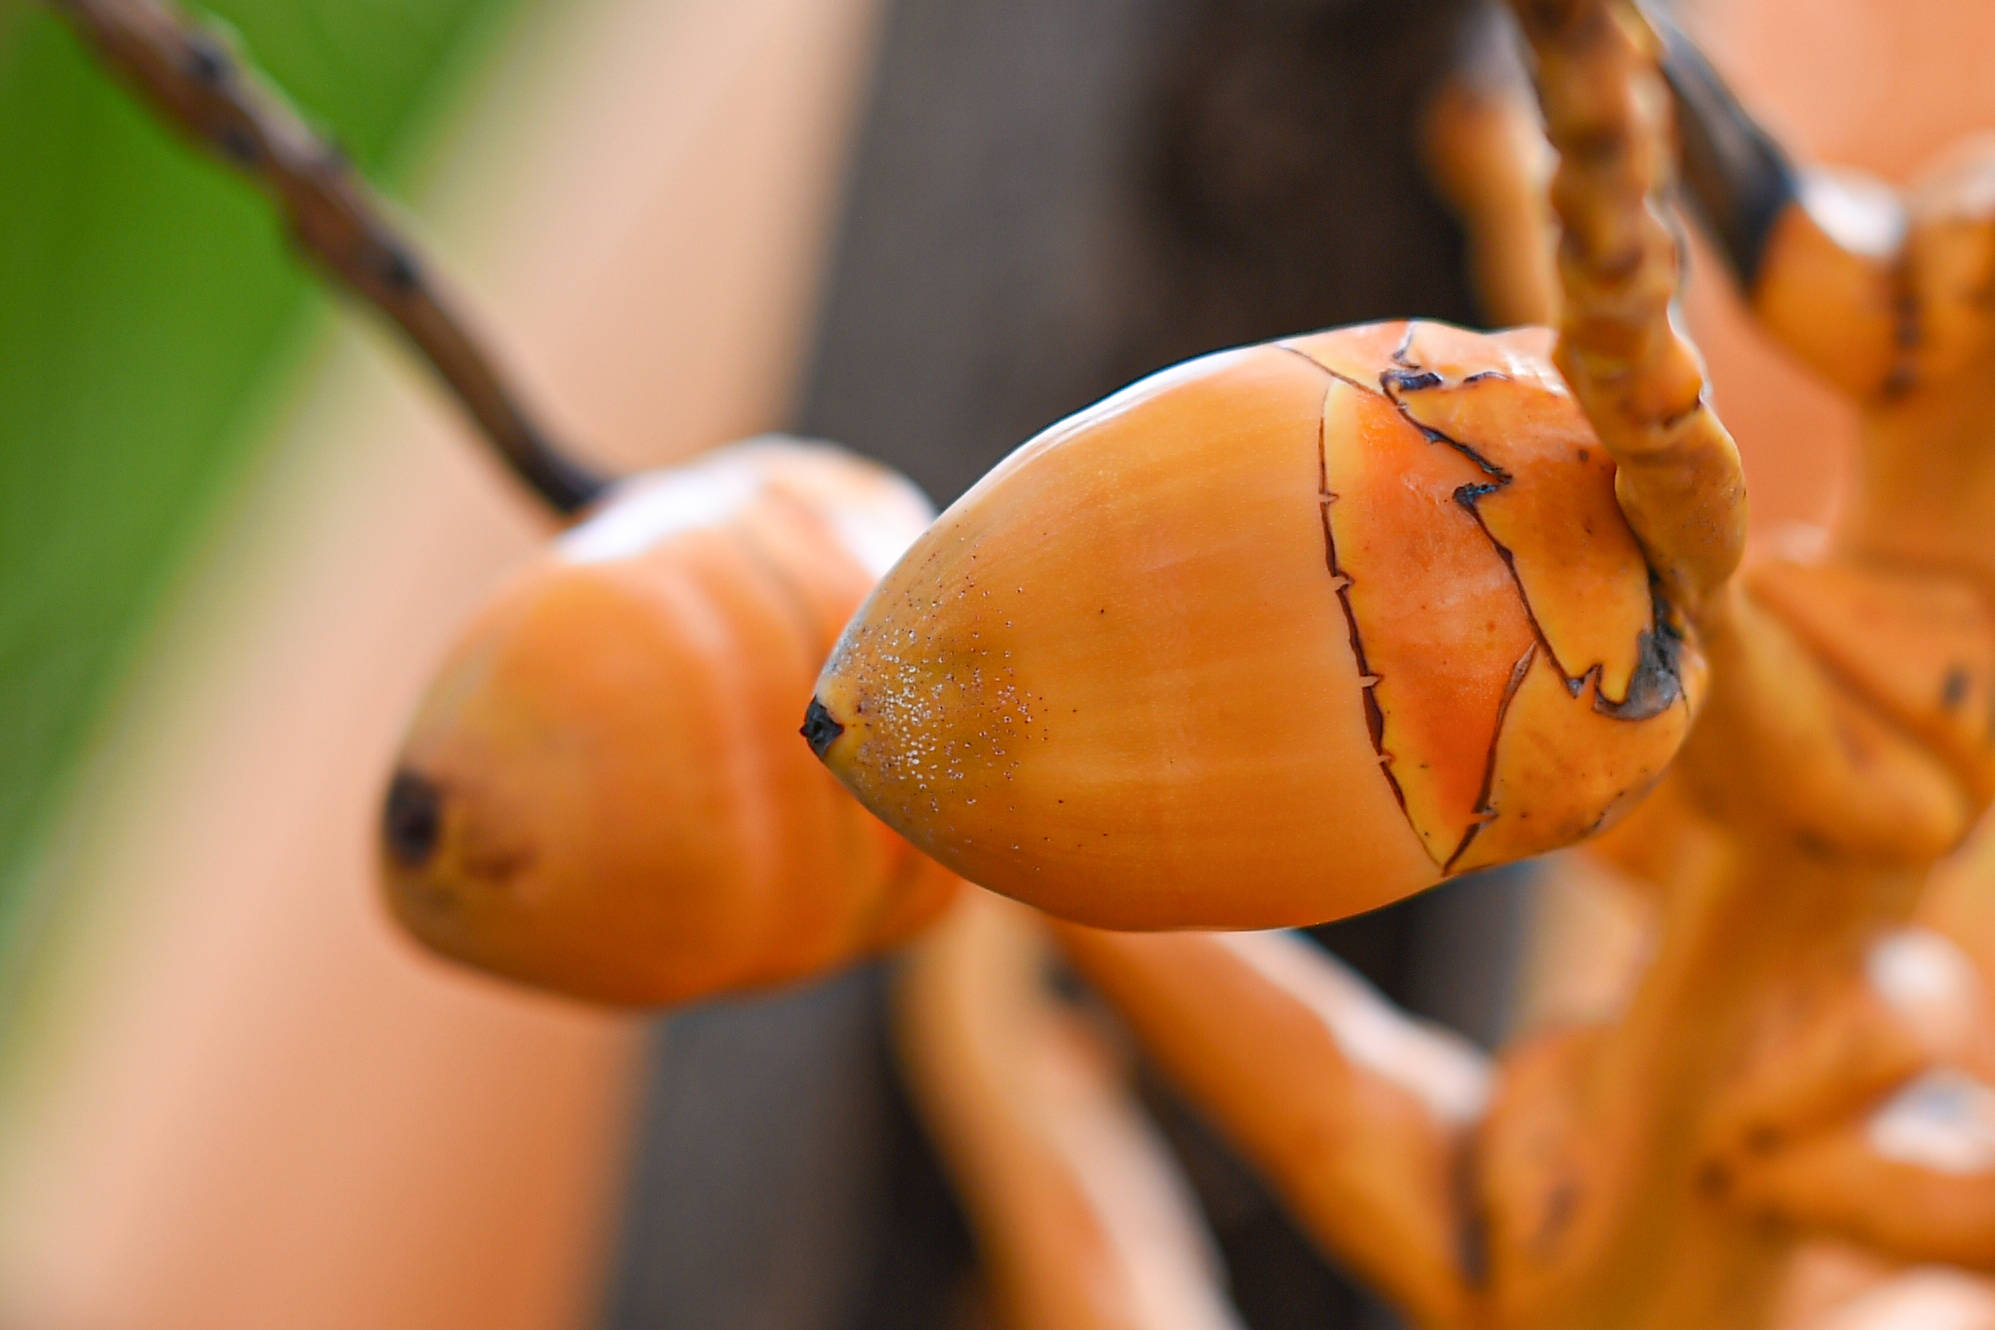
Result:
<point x="1050" y="198"/>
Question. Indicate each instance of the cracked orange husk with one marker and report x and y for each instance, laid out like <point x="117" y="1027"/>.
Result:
<point x="1276" y="636"/>
<point x="603" y="794"/>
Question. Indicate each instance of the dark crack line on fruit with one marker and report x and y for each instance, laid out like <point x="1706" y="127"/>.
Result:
<point x="1341" y="582"/>
<point x="1410" y="377"/>
<point x="1420" y="380"/>
<point x="1409" y="380"/>
<point x="1401" y="353"/>
<point x="1484" y="812"/>
<point x="1466" y="496"/>
<point x="1656" y="681"/>
<point x="1658" y="648"/>
<point x="1338" y="375"/>
<point x="1374" y="714"/>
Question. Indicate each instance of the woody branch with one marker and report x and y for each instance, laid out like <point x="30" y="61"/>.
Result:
<point x="191" y="80"/>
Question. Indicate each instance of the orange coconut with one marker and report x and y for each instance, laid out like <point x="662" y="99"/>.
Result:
<point x="1272" y="637"/>
<point x="603" y="794"/>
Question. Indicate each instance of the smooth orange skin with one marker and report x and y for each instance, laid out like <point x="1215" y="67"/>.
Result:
<point x="1120" y="679"/>
<point x="626" y="814"/>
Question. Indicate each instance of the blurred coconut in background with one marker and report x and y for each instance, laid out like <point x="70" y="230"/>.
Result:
<point x="234" y="1098"/>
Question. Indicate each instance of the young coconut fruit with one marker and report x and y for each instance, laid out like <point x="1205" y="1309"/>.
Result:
<point x="602" y="793"/>
<point x="1272" y="637"/>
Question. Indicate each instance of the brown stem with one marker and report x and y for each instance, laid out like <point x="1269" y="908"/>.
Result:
<point x="191" y="80"/>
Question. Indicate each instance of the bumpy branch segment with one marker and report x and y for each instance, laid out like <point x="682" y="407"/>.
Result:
<point x="192" y="81"/>
<point x="1637" y="376"/>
